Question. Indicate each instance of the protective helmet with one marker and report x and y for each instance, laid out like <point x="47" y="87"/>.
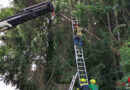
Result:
<point x="93" y="81"/>
<point x="83" y="80"/>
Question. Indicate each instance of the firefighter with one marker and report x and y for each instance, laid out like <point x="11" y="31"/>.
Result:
<point x="84" y="85"/>
<point x="78" y="35"/>
<point x="93" y="85"/>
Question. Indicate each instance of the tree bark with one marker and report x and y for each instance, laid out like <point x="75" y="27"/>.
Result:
<point x="118" y="33"/>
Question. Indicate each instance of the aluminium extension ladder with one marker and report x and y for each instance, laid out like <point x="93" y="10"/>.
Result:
<point x="81" y="67"/>
<point x="73" y="81"/>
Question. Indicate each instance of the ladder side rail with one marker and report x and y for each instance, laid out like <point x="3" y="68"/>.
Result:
<point x="75" y="47"/>
<point x="70" y="88"/>
<point x="72" y="82"/>
<point x="85" y="65"/>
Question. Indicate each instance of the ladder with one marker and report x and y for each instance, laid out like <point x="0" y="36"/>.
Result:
<point x="72" y="82"/>
<point x="81" y="67"/>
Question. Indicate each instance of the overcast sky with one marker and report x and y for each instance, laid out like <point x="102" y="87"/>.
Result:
<point x="5" y="3"/>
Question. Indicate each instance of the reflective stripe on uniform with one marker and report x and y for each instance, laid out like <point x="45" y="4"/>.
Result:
<point x="83" y="84"/>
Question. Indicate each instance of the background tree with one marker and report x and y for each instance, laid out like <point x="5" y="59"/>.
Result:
<point x="49" y="45"/>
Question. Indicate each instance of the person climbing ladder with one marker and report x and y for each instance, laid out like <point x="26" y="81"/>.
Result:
<point x="78" y="35"/>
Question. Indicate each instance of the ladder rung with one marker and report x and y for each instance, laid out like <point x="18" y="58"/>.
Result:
<point x="81" y="66"/>
<point x="78" y="51"/>
<point x="74" y="23"/>
<point x="80" y="58"/>
<point x="77" y="47"/>
<point x="81" y="62"/>
<point x="82" y="74"/>
<point x="81" y="70"/>
<point x="79" y="54"/>
<point x="75" y="20"/>
<point x="74" y="17"/>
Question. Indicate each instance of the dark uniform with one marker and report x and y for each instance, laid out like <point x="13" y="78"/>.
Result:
<point x="84" y="86"/>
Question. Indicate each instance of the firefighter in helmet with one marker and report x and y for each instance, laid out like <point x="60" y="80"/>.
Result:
<point x="93" y="85"/>
<point x="84" y="85"/>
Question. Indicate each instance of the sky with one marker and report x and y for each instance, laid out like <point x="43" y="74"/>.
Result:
<point x="5" y="3"/>
<point x="6" y="87"/>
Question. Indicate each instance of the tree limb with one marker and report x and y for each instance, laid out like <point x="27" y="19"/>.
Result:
<point x="92" y="35"/>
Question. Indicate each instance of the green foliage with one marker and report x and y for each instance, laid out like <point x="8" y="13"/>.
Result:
<point x="125" y="58"/>
<point x="6" y="12"/>
<point x="53" y="40"/>
<point x="118" y="28"/>
<point x="125" y="62"/>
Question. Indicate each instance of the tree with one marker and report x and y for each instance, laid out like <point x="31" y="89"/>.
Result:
<point x="49" y="45"/>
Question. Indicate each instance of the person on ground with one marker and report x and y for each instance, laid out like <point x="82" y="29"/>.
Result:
<point x="84" y="85"/>
<point x="93" y="85"/>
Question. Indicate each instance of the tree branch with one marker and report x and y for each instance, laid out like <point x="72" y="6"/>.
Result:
<point x="92" y="35"/>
